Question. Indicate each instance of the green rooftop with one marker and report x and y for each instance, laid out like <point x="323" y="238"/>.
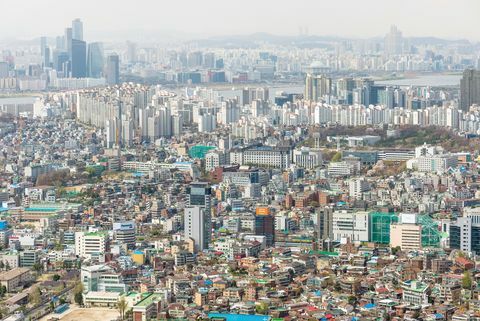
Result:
<point x="101" y="233"/>
<point x="149" y="300"/>
<point x="199" y="151"/>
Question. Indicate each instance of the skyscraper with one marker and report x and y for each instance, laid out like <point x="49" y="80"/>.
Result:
<point x="68" y="41"/>
<point x="95" y="60"/>
<point x="195" y="227"/>
<point x="469" y="89"/>
<point x="4" y="69"/>
<point x="317" y="86"/>
<point x="61" y="62"/>
<point x="59" y="43"/>
<point x="265" y="225"/>
<point x="131" y="52"/>
<point x="113" y="70"/>
<point x="77" y="29"/>
<point x="79" y="58"/>
<point x="325" y="223"/>
<point x="198" y="217"/>
<point x="46" y="57"/>
<point x="394" y="42"/>
<point x="43" y="45"/>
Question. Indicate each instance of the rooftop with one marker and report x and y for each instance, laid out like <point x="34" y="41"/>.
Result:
<point x="8" y="275"/>
<point x="239" y="317"/>
<point x="149" y="300"/>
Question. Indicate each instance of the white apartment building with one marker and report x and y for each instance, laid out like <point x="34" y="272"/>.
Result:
<point x="196" y="226"/>
<point x="336" y="169"/>
<point x="437" y="163"/>
<point x="307" y="157"/>
<point x="215" y="159"/>
<point x="358" y="186"/>
<point x="264" y="156"/>
<point x="351" y="225"/>
<point x="90" y="243"/>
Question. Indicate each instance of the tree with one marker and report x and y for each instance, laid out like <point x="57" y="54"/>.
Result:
<point x="37" y="267"/>
<point x="122" y="306"/>
<point x="78" y="293"/>
<point x="3" y="311"/>
<point x="467" y="280"/>
<point x="416" y="314"/>
<point x="262" y="308"/>
<point x="35" y="296"/>
<point x="78" y="298"/>
<point x="56" y="277"/>
<point x="337" y="287"/>
<point x="395" y="250"/>
<point x="3" y="290"/>
<point x="129" y="314"/>
<point x="337" y="157"/>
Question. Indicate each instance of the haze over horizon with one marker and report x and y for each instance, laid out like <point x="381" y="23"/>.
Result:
<point x="188" y="18"/>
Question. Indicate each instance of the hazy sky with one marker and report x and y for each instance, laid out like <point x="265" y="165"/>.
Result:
<point x="453" y="19"/>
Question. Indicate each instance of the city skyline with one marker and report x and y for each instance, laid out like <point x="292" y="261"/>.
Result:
<point x="441" y="19"/>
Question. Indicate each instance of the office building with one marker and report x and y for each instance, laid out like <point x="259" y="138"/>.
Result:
<point x="77" y="29"/>
<point x="215" y="159"/>
<point x="197" y="227"/>
<point x="112" y="71"/>
<point x="325" y="223"/>
<point x="465" y="232"/>
<point x="101" y="278"/>
<point x="95" y="61"/>
<point x="61" y="62"/>
<point x="91" y="244"/>
<point x="67" y="39"/>
<point x="124" y="233"/>
<point x="308" y="158"/>
<point x="353" y="226"/>
<point x="46" y="57"/>
<point x="79" y="59"/>
<point x="198" y="219"/>
<point x="437" y="163"/>
<point x="407" y="233"/>
<point x="263" y="156"/>
<point x="29" y="258"/>
<point x="265" y="224"/>
<point x="469" y="89"/>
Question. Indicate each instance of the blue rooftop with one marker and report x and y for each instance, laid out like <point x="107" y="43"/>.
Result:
<point x="40" y="209"/>
<point x="239" y="317"/>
